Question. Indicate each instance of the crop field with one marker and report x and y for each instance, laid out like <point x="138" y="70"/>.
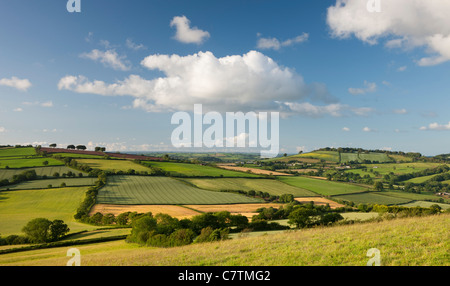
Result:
<point x="424" y="204"/>
<point x="172" y="210"/>
<point x="80" y="156"/>
<point x="28" y="162"/>
<point x="420" y="180"/>
<point x="19" y="207"/>
<point x="322" y="187"/>
<point x="414" y="196"/>
<point x="193" y="170"/>
<point x="273" y="187"/>
<point x="143" y="190"/>
<point x="44" y="184"/>
<point x="248" y="210"/>
<point x="41" y="171"/>
<point x="253" y="170"/>
<point x="320" y="202"/>
<point x="380" y="157"/>
<point x="17" y="152"/>
<point x="373" y="198"/>
<point x="113" y="165"/>
<point x="402" y="168"/>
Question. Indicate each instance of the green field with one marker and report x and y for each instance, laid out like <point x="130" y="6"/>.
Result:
<point x="17" y="152"/>
<point x="43" y="184"/>
<point x="322" y="187"/>
<point x="373" y="198"/>
<point x="28" y="162"/>
<point x="19" y="207"/>
<point x="194" y="170"/>
<point x="273" y="187"/>
<point x="414" y="196"/>
<point x="41" y="171"/>
<point x="425" y="204"/>
<point x="142" y="190"/>
<point x="418" y="241"/>
<point x="113" y="165"/>
<point x="81" y="156"/>
<point x="420" y="180"/>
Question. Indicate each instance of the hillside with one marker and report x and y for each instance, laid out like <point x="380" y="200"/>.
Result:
<point x="405" y="242"/>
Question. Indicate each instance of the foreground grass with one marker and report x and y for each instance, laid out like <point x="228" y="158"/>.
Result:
<point x="406" y="242"/>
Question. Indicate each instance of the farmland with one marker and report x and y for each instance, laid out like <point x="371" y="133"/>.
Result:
<point x="373" y="198"/>
<point x="323" y="187"/>
<point x="113" y="165"/>
<point x="272" y="187"/>
<point x="137" y="190"/>
<point x="194" y="170"/>
<point x="44" y="184"/>
<point x="41" y="171"/>
<point x="28" y="162"/>
<point x="19" y="207"/>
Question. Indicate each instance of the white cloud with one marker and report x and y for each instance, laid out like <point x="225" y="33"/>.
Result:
<point x="369" y="87"/>
<point x="17" y="83"/>
<point x="109" y="58"/>
<point x="275" y="44"/>
<point x="186" y="34"/>
<point x="402" y="68"/>
<point x="249" y="82"/>
<point x="437" y="127"/>
<point x="346" y="129"/>
<point x="2" y="129"/>
<point x="36" y="103"/>
<point x="367" y="129"/>
<point x="404" y="24"/>
<point x="133" y="46"/>
<point x="19" y="109"/>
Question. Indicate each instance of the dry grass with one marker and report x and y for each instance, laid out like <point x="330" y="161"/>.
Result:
<point x="252" y="170"/>
<point x="320" y="201"/>
<point x="248" y="210"/>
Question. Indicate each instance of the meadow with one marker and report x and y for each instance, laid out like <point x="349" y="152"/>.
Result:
<point x="414" y="241"/>
<point x="373" y="198"/>
<point x="19" y="207"/>
<point x="273" y="187"/>
<point x="6" y="162"/>
<point x="113" y="165"/>
<point x="322" y="187"/>
<point x="140" y="190"/>
<point x="40" y="172"/>
<point x="194" y="170"/>
<point x="17" y="152"/>
<point x="44" y="184"/>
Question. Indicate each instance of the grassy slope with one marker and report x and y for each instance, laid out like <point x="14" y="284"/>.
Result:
<point x="43" y="184"/>
<point x="411" y="241"/>
<point x="113" y="165"/>
<point x="41" y="171"/>
<point x="28" y="163"/>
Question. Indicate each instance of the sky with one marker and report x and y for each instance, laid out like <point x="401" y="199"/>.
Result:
<point x="341" y="73"/>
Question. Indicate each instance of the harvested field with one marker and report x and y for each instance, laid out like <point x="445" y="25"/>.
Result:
<point x="248" y="210"/>
<point x="252" y="170"/>
<point x="174" y="211"/>
<point x="320" y="202"/>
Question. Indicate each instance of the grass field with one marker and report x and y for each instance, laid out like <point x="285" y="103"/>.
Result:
<point x="41" y="171"/>
<point x="425" y="204"/>
<point x="80" y="156"/>
<point x="193" y="170"/>
<point x="414" y="196"/>
<point x="17" y="152"/>
<point x="402" y="242"/>
<point x="322" y="187"/>
<point x="28" y="162"/>
<point x="373" y="198"/>
<point x="272" y="187"/>
<point x="19" y="207"/>
<point x="113" y="165"/>
<point x="140" y="190"/>
<point x="420" y="180"/>
<point x="179" y="212"/>
<point x="43" y="184"/>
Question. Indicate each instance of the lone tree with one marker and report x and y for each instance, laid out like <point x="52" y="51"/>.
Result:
<point x="53" y="145"/>
<point x="71" y="147"/>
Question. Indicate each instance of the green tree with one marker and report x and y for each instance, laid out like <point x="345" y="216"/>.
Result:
<point x="58" y="229"/>
<point x="38" y="230"/>
<point x="303" y="217"/>
<point x="378" y="186"/>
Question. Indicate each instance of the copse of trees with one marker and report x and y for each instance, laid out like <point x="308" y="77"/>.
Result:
<point x="41" y="230"/>
<point x="21" y="177"/>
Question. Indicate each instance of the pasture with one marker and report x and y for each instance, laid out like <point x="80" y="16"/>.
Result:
<point x="44" y="184"/>
<point x="194" y="170"/>
<point x="113" y="165"/>
<point x="424" y="204"/>
<point x="322" y="187"/>
<point x="373" y="198"/>
<point x="273" y="187"/>
<point x="17" y="163"/>
<point x="17" y="208"/>
<point x="143" y="190"/>
<point x="17" y="152"/>
<point x="40" y="172"/>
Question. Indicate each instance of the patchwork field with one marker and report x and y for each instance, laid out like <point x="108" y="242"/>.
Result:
<point x="142" y="190"/>
<point x="28" y="162"/>
<point x="273" y="187"/>
<point x="253" y="170"/>
<point x="41" y="171"/>
<point x="44" y="184"/>
<point x="248" y="210"/>
<point x="19" y="207"/>
<point x="174" y="211"/>
<point x="322" y="187"/>
<point x="17" y="152"/>
<point x="373" y="198"/>
<point x="194" y="170"/>
<point x="320" y="202"/>
<point x="425" y="204"/>
<point x="113" y="165"/>
<point x="414" y="196"/>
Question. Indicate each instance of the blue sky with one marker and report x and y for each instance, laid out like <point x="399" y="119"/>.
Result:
<point x="346" y="77"/>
